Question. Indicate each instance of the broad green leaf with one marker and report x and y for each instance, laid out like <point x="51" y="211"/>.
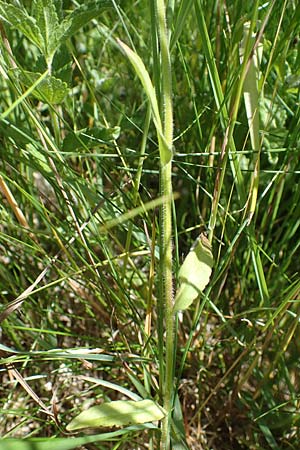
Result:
<point x="117" y="413"/>
<point x="50" y="89"/>
<point x="81" y="16"/>
<point x="18" y="18"/>
<point x="142" y="73"/>
<point x="194" y="274"/>
<point x="44" y="12"/>
<point x="89" y="137"/>
<point x="62" y="64"/>
<point x="44" y="28"/>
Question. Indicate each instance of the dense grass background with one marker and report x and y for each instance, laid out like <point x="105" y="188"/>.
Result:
<point x="65" y="204"/>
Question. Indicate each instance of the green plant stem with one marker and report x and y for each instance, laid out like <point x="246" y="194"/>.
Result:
<point x="166" y="223"/>
<point x="166" y="265"/>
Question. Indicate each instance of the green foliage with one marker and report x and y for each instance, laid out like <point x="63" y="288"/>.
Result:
<point x="19" y="18"/>
<point x="140" y="69"/>
<point x="44" y="27"/>
<point x="64" y="443"/>
<point x="117" y="414"/>
<point x="194" y="273"/>
<point x="89" y="138"/>
<point x="83" y="136"/>
<point x="50" y="90"/>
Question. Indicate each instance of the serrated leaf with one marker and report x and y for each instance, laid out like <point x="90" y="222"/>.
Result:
<point x="80" y="17"/>
<point x="50" y="89"/>
<point x="44" y="12"/>
<point x="117" y="413"/>
<point x="89" y="137"/>
<point x="194" y="274"/>
<point x="44" y="28"/>
<point x="62" y="64"/>
<point x="18" y="18"/>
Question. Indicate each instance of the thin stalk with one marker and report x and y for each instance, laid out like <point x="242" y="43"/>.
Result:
<point x="155" y="50"/>
<point x="166" y="223"/>
<point x="166" y="259"/>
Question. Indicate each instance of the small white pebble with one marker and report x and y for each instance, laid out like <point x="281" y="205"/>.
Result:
<point x="48" y="386"/>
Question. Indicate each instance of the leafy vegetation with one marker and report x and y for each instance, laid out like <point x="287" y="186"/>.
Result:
<point x="128" y="131"/>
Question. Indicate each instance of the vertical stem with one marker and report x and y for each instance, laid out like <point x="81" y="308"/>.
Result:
<point x="168" y="302"/>
<point x="166" y="223"/>
<point x="166" y="73"/>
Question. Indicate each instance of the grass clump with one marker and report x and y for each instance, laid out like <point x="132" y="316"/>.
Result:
<point x="127" y="131"/>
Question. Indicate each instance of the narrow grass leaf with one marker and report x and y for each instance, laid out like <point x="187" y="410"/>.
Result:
<point x="89" y="138"/>
<point x="142" y="73"/>
<point x="269" y="437"/>
<point x="113" y="386"/>
<point x="183" y="10"/>
<point x="22" y="97"/>
<point x="68" y="443"/>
